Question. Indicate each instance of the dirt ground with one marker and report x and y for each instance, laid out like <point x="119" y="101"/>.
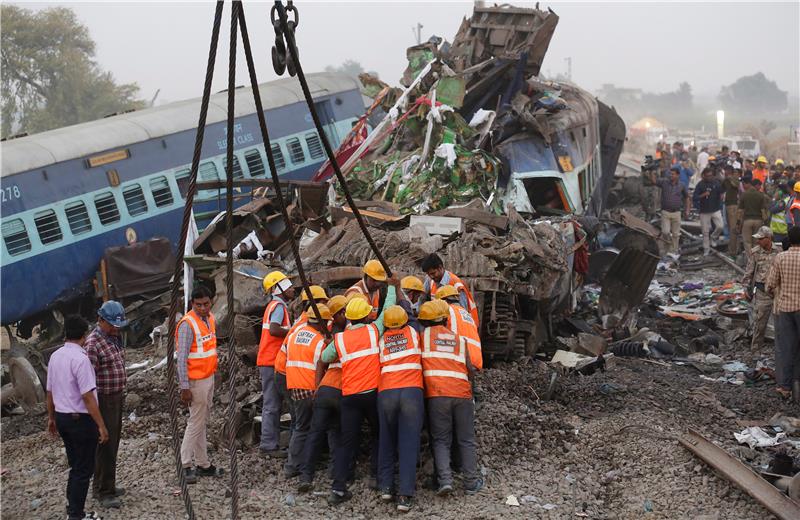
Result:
<point x="604" y="447"/>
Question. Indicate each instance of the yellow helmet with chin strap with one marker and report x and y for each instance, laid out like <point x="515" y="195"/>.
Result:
<point x="272" y="279"/>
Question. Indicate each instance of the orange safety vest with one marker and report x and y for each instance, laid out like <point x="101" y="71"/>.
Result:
<point x="202" y="361"/>
<point x="444" y="364"/>
<point x="269" y="345"/>
<point x="794" y="206"/>
<point x="375" y="298"/>
<point x="333" y="376"/>
<point x="761" y="175"/>
<point x="304" y="349"/>
<point x="280" y="357"/>
<point x="358" y="353"/>
<point x="462" y="324"/>
<point x="460" y="286"/>
<point x="401" y="363"/>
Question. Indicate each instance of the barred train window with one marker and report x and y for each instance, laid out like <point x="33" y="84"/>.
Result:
<point x="237" y="169"/>
<point x="16" y="237"/>
<point x="161" y="191"/>
<point x="134" y="199"/>
<point x="295" y="150"/>
<point x="277" y="154"/>
<point x="106" y="207"/>
<point x="78" y="217"/>
<point x="314" y="145"/>
<point x="254" y="163"/>
<point x="47" y="226"/>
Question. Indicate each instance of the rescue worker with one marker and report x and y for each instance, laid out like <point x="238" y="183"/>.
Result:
<point x="372" y="285"/>
<point x="274" y="327"/>
<point x="401" y="408"/>
<point x="793" y="209"/>
<point x="357" y="350"/>
<point x="752" y="212"/>
<point x="304" y="348"/>
<point x="761" y="171"/>
<point x="461" y="322"/>
<point x="755" y="279"/>
<point x="327" y="400"/>
<point x="730" y="185"/>
<point x="780" y="166"/>
<point x="777" y="222"/>
<point x="413" y="289"/>
<point x="196" y="345"/>
<point x="438" y="276"/>
<point x="446" y="372"/>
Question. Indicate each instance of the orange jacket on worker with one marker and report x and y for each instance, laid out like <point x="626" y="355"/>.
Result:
<point x="269" y="345"/>
<point x="357" y="349"/>
<point x="374" y="298"/>
<point x="461" y="287"/>
<point x="303" y="351"/>
<point x="333" y="376"/>
<point x="202" y="360"/>
<point x="280" y="357"/>
<point x="444" y="364"/>
<point x="761" y="174"/>
<point x="401" y="363"/>
<point x="461" y="322"/>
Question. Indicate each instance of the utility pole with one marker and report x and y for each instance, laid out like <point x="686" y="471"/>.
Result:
<point x="569" y="67"/>
<point x="417" y="32"/>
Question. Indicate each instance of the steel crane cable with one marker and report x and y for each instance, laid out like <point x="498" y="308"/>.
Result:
<point x="288" y="32"/>
<point x="262" y="123"/>
<point x="172" y="387"/>
<point x="232" y="364"/>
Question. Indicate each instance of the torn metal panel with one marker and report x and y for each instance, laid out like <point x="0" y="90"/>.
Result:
<point x="748" y="481"/>
<point x="246" y="219"/>
<point x="626" y="281"/>
<point x="505" y="32"/>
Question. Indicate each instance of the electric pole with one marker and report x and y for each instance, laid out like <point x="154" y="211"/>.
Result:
<point x="417" y="32"/>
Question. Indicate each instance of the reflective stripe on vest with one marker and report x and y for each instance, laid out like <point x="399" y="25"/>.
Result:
<point x="304" y="349"/>
<point x="202" y="358"/>
<point x="444" y="364"/>
<point x="269" y="345"/>
<point x="361" y="363"/>
<point x="445" y="373"/>
<point x="460" y="286"/>
<point x="401" y="362"/>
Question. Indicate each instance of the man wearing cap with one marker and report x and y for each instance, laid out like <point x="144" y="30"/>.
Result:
<point x="372" y="285"/>
<point x="708" y="201"/>
<point x="104" y="348"/>
<point x="274" y="328"/>
<point x="755" y="279"/>
<point x="412" y="291"/>
<point x="761" y="171"/>
<point x="753" y="212"/>
<point x="730" y="185"/>
<point x="674" y="197"/>
<point x="793" y="207"/>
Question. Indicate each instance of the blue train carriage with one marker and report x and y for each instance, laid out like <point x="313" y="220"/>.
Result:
<point x="69" y="194"/>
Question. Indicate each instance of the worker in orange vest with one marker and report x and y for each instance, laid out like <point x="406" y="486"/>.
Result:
<point x="446" y="373"/>
<point x="196" y="346"/>
<point x="761" y="171"/>
<point x="357" y="350"/>
<point x="304" y="348"/>
<point x="460" y="322"/>
<point x="327" y="400"/>
<point x="412" y="295"/>
<point x="438" y="276"/>
<point x="401" y="408"/>
<point x="274" y="327"/>
<point x="372" y="285"/>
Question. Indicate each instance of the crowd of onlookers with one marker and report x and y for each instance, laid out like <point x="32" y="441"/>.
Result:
<point x="755" y="204"/>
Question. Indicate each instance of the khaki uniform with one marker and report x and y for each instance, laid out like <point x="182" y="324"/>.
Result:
<point x="756" y="274"/>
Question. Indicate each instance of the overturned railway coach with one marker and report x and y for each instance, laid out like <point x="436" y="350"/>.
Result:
<point x="68" y="194"/>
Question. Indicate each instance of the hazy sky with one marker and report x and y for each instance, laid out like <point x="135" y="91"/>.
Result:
<point x="652" y="45"/>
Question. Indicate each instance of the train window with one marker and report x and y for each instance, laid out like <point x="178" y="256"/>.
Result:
<point x="254" y="163"/>
<point x="78" y="217"/>
<point x="47" y="226"/>
<point x="207" y="173"/>
<point x="277" y="154"/>
<point x="106" y="207"/>
<point x="134" y="199"/>
<point x="16" y="237"/>
<point x="162" y="193"/>
<point x="237" y="169"/>
<point x="295" y="150"/>
<point x="182" y="179"/>
<point x="314" y="145"/>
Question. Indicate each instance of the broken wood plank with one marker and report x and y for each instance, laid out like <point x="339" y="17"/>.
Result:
<point x="476" y="215"/>
<point x="749" y="481"/>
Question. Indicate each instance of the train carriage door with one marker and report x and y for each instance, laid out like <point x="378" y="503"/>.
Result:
<point x="325" y="113"/>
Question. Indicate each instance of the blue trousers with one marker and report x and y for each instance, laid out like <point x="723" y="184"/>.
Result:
<point x="401" y="412"/>
<point x="270" y="409"/>
<point x="354" y="409"/>
<point x="324" y="421"/>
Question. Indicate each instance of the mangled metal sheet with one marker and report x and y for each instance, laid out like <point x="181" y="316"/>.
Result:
<point x="625" y="284"/>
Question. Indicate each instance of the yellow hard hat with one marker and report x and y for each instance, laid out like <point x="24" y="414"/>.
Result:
<point x="797" y="186"/>
<point x="432" y="311"/>
<point x="353" y="295"/>
<point x="337" y="303"/>
<point x="395" y="317"/>
<point x="412" y="283"/>
<point x="444" y="307"/>
<point x="375" y="270"/>
<point x="271" y="279"/>
<point x="763" y="159"/>
<point x="446" y="291"/>
<point x="778" y="162"/>
<point x="324" y="313"/>
<point x="357" y="309"/>
<point x="317" y="292"/>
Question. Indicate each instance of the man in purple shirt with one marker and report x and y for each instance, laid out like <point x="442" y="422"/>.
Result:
<point x="72" y="412"/>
